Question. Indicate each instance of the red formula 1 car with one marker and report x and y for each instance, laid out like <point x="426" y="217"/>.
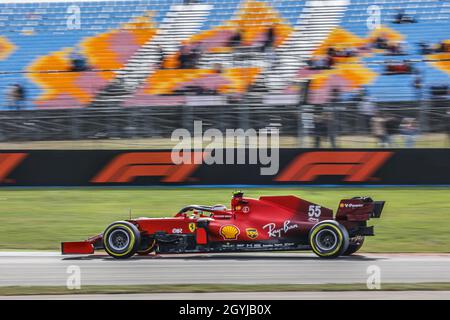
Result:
<point x="264" y="224"/>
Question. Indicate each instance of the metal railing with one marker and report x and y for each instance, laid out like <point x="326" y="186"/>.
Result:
<point x="302" y="125"/>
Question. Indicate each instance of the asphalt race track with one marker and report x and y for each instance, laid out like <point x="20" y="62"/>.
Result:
<point x="322" y="295"/>
<point x="27" y="269"/>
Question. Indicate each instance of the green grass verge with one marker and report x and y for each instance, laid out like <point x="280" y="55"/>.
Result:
<point x="414" y="219"/>
<point x="202" y="288"/>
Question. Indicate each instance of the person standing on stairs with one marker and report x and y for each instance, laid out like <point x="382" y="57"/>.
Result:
<point x="268" y="46"/>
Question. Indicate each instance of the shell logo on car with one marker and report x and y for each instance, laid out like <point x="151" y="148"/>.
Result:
<point x="229" y="232"/>
<point x="252" y="233"/>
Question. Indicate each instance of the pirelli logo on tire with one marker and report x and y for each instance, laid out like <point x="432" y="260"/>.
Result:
<point x="355" y="166"/>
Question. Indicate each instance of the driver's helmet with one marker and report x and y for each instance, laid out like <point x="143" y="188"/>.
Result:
<point x="219" y="207"/>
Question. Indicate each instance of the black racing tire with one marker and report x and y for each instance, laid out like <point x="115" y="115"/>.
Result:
<point x="121" y="239"/>
<point x="355" y="244"/>
<point x="328" y="239"/>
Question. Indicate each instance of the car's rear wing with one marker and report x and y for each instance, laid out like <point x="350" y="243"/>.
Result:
<point x="359" y="209"/>
<point x="354" y="214"/>
<point x="378" y="207"/>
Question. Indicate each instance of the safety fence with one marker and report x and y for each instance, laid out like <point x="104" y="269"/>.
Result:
<point x="306" y="124"/>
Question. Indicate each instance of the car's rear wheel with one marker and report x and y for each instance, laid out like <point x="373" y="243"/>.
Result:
<point x="328" y="239"/>
<point x="355" y="244"/>
<point x="121" y="239"/>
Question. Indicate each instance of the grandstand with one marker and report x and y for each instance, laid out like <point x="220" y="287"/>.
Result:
<point x="82" y="63"/>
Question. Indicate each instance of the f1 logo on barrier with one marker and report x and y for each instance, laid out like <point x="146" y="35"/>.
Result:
<point x="356" y="166"/>
<point x="8" y="162"/>
<point x="128" y="166"/>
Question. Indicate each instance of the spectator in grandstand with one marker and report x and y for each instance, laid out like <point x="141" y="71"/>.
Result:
<point x="331" y="122"/>
<point x="366" y="110"/>
<point x="196" y="53"/>
<point x="325" y="126"/>
<point x="328" y="62"/>
<point x="360" y="94"/>
<point x="161" y="56"/>
<point x="443" y="47"/>
<point x="320" y="130"/>
<point x="182" y="57"/>
<point x="409" y="130"/>
<point x="448" y="124"/>
<point x="417" y="85"/>
<point x="392" y="125"/>
<point x="380" y="42"/>
<point x="268" y="45"/>
<point x="332" y="52"/>
<point x="188" y="56"/>
<point x="350" y="52"/>
<point x="218" y="69"/>
<point x="357" y="97"/>
<point x="334" y="115"/>
<point x="313" y="63"/>
<point x="78" y="62"/>
<point x="329" y="59"/>
<point x="335" y="97"/>
<point x="402" y="17"/>
<point x="270" y="38"/>
<point x="344" y="53"/>
<point x="398" y="67"/>
<point x="439" y="91"/>
<point x="425" y="48"/>
<point x="320" y="63"/>
<point x="16" y="97"/>
<point x="379" y="129"/>
<point x="236" y="39"/>
<point x="10" y="97"/>
<point x="395" y="48"/>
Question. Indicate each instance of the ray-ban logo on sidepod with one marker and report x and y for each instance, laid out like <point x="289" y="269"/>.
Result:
<point x="8" y="162"/>
<point x="355" y="166"/>
<point x="128" y="166"/>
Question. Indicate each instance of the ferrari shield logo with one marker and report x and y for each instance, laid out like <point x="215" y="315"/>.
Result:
<point x="252" y="233"/>
<point x="192" y="226"/>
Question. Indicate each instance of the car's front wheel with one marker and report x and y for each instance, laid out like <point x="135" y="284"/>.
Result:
<point x="121" y="239"/>
<point x="328" y="239"/>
